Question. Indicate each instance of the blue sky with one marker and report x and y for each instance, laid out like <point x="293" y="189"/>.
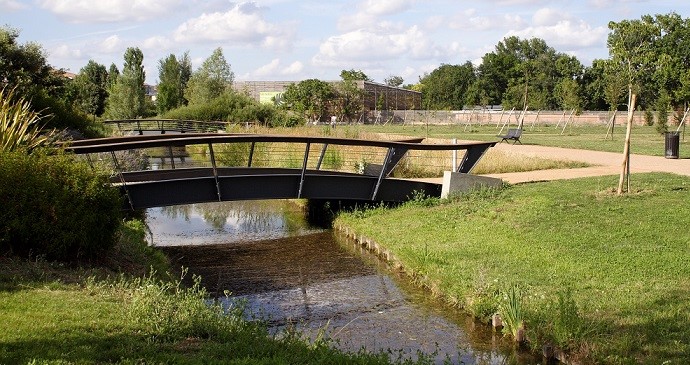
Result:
<point x="296" y="40"/>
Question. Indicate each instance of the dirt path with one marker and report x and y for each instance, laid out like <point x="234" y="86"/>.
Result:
<point x="603" y="163"/>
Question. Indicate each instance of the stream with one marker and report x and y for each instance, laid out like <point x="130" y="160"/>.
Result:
<point x="292" y="274"/>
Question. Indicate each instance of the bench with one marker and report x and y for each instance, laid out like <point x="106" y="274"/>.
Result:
<point x="514" y="134"/>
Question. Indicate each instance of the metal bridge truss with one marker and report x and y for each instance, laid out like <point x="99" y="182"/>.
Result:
<point x="214" y="182"/>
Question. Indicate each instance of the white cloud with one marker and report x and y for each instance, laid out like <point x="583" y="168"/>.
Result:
<point x="268" y="69"/>
<point x="11" y="5"/>
<point x="65" y="52"/>
<point x="567" y="33"/>
<point x="157" y="43"/>
<point x="104" y="11"/>
<point x="112" y="44"/>
<point x="385" y="7"/>
<point x="244" y="24"/>
<point x="549" y="17"/>
<point x="294" y="68"/>
<point x="368" y="47"/>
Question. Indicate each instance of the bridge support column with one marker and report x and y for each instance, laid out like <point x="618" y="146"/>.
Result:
<point x="457" y="182"/>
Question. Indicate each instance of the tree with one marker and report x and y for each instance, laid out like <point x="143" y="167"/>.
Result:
<point x="349" y="101"/>
<point x="185" y="74"/>
<point x="91" y="88"/>
<point x="211" y="80"/>
<point x="446" y="86"/>
<point x="128" y="97"/>
<point x="630" y="45"/>
<point x="354" y="75"/>
<point x="309" y="98"/>
<point x="113" y="74"/>
<point x="169" y="84"/>
<point x="394" y="81"/>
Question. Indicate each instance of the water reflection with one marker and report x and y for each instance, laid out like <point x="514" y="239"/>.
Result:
<point x="292" y="275"/>
<point x="209" y="223"/>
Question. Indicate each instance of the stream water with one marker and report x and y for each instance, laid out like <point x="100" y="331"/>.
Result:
<point x="291" y="274"/>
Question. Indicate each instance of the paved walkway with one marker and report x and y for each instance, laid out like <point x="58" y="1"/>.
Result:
<point x="603" y="163"/>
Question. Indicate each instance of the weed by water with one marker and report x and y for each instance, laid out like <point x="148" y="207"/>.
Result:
<point x="510" y="308"/>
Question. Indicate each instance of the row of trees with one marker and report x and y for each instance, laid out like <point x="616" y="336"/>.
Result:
<point x="528" y="73"/>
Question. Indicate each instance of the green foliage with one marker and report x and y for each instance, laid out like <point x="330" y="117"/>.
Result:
<point x="168" y="311"/>
<point x="170" y="88"/>
<point x="354" y="75"/>
<point x="19" y="125"/>
<point x="127" y="96"/>
<point x="510" y="308"/>
<point x="649" y="117"/>
<point x="308" y="98"/>
<point x="663" y="105"/>
<point x="55" y="207"/>
<point x="231" y="106"/>
<point x="446" y="86"/>
<point x="91" y="87"/>
<point x="211" y="80"/>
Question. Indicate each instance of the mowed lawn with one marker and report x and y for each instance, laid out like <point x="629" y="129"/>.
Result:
<point x="624" y="260"/>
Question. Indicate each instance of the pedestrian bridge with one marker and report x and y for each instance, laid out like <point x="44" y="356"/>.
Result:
<point x="172" y="169"/>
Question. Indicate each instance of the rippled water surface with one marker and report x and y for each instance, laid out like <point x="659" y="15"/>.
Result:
<point x="290" y="274"/>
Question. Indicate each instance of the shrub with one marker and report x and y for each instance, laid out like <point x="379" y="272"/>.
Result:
<point x="56" y="207"/>
<point x="19" y="125"/>
<point x="230" y="107"/>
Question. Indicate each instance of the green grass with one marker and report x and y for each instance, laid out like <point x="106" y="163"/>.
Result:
<point x="645" y="139"/>
<point x="603" y="276"/>
<point x="107" y="312"/>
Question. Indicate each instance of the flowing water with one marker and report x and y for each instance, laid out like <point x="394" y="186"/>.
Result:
<point x="291" y="274"/>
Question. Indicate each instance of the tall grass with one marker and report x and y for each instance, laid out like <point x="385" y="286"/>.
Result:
<point x="20" y="127"/>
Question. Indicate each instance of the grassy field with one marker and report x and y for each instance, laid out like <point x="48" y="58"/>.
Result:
<point x="604" y="277"/>
<point x="645" y="140"/>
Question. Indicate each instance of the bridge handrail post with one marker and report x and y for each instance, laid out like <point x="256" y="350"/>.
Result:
<point x="141" y="131"/>
<point x="251" y="154"/>
<point x="321" y="156"/>
<point x="382" y="173"/>
<point x="304" y="169"/>
<point x="122" y="179"/>
<point x="215" y="170"/>
<point x="172" y="157"/>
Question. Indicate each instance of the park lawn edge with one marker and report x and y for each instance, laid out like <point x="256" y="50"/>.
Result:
<point x="602" y="276"/>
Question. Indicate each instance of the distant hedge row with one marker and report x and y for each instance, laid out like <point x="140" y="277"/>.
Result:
<point x="232" y="107"/>
<point x="55" y="207"/>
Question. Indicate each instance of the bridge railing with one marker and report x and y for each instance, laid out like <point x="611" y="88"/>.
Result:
<point x="139" y="126"/>
<point x="251" y="150"/>
<point x="142" y="165"/>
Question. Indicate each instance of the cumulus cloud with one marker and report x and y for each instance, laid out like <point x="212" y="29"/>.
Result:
<point x="369" y="46"/>
<point x="11" y="5"/>
<point x="385" y="7"/>
<point x="112" y="44"/>
<point x="568" y="33"/>
<point x="65" y="52"/>
<point x="157" y="43"/>
<point x="244" y="24"/>
<point x="103" y="11"/>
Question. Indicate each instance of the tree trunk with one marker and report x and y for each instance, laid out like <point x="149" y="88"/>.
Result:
<point x="625" y="172"/>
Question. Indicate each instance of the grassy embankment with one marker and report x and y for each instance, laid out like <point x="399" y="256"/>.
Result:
<point x="603" y="277"/>
<point x="54" y="314"/>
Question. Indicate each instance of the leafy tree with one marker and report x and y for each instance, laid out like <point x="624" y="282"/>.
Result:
<point x="90" y="86"/>
<point x="354" y="75"/>
<point x="185" y="74"/>
<point x="630" y="45"/>
<point x="113" y="74"/>
<point x="25" y="71"/>
<point x="128" y="97"/>
<point x="309" y="98"/>
<point x="594" y="85"/>
<point x="169" y="84"/>
<point x="211" y="80"/>
<point x="446" y="86"/>
<point x="394" y="81"/>
<point x="348" y="103"/>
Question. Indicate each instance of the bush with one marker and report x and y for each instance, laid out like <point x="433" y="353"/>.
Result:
<point x="55" y="207"/>
<point x="230" y="107"/>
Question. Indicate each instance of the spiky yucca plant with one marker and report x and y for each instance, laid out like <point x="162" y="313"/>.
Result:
<point x="19" y="125"/>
